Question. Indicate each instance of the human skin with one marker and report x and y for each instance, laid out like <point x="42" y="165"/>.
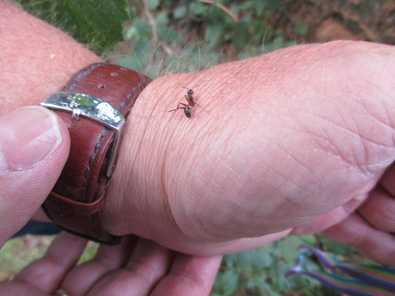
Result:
<point x="136" y="267"/>
<point x="292" y="141"/>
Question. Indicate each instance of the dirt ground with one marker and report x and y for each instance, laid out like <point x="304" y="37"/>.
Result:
<point x="340" y="19"/>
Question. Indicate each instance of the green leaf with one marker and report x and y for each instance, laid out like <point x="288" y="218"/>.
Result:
<point x="301" y="29"/>
<point x="214" y="34"/>
<point x="198" y="8"/>
<point x="227" y="282"/>
<point x="131" y="33"/>
<point x="180" y="12"/>
<point x="162" y="19"/>
<point x="140" y="29"/>
<point x="153" y="4"/>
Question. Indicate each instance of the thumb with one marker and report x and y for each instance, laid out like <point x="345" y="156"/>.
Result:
<point x="34" y="145"/>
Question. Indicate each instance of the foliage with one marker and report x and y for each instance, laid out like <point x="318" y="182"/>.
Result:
<point x="97" y="23"/>
<point x="213" y="31"/>
<point x="239" y="24"/>
<point x="17" y="253"/>
<point x="14" y="255"/>
<point x="262" y="272"/>
<point x="176" y="35"/>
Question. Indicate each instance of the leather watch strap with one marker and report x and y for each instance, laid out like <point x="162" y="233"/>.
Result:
<point x="78" y="198"/>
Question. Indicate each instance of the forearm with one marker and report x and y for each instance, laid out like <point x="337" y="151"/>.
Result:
<point x="36" y="59"/>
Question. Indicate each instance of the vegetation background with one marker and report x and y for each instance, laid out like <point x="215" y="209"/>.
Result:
<point x="162" y="36"/>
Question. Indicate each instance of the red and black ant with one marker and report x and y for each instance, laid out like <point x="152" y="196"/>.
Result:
<point x="189" y="97"/>
<point x="186" y="107"/>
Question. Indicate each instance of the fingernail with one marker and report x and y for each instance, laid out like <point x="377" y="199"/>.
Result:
<point x="27" y="136"/>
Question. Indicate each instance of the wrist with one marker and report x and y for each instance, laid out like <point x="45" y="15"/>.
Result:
<point x="155" y="173"/>
<point x="139" y="184"/>
<point x="139" y="160"/>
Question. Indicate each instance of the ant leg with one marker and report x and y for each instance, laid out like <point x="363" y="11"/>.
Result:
<point x="172" y="110"/>
<point x="183" y="106"/>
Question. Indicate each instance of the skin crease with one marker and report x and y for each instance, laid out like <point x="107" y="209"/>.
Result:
<point x="290" y="141"/>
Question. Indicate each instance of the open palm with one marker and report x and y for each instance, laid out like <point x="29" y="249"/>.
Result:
<point x="135" y="267"/>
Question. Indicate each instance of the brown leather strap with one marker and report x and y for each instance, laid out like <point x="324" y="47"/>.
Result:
<point x="78" y="199"/>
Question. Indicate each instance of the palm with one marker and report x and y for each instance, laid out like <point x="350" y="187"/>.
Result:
<point x="136" y="267"/>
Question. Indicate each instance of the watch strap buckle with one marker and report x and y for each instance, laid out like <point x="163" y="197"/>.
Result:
<point x="93" y="108"/>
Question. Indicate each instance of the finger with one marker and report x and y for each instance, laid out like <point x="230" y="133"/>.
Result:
<point x="34" y="146"/>
<point x="388" y="180"/>
<point x="19" y="288"/>
<point x="83" y="277"/>
<point x="47" y="273"/>
<point x="148" y="263"/>
<point x="333" y="217"/>
<point x="379" y="211"/>
<point x="378" y="245"/>
<point x="189" y="276"/>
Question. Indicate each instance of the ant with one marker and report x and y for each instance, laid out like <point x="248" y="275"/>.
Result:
<point x="186" y="107"/>
<point x="189" y="97"/>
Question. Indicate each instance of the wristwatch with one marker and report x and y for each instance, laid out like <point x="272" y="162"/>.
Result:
<point x="94" y="105"/>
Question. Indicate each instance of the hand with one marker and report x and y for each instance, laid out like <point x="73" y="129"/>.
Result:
<point x="371" y="228"/>
<point x="135" y="267"/>
<point x="294" y="141"/>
